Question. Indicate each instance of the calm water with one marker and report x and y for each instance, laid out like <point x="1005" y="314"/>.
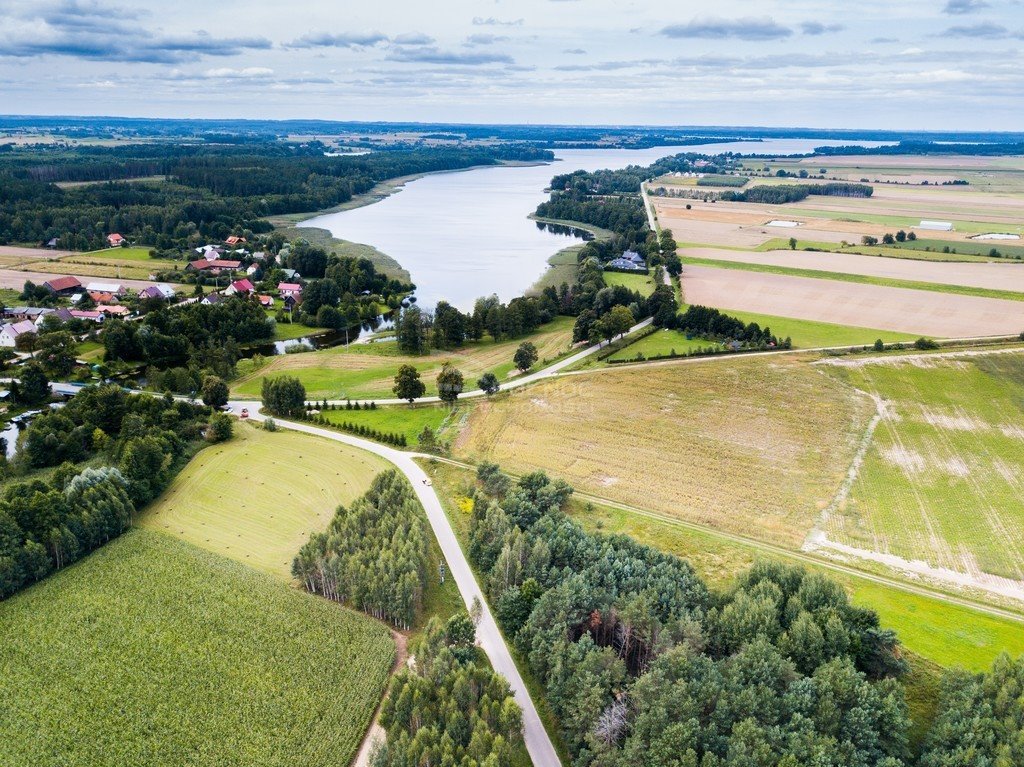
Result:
<point x="466" y="234"/>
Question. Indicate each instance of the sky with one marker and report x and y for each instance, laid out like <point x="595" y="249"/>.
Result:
<point x="899" y="64"/>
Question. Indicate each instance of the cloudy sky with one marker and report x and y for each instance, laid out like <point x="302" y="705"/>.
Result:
<point x="940" y="64"/>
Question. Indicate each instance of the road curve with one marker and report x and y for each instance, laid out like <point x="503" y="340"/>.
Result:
<point x="542" y="751"/>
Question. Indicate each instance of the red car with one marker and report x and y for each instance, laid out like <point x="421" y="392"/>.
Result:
<point x="244" y="413"/>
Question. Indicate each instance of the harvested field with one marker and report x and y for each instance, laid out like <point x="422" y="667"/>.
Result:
<point x="754" y="446"/>
<point x="1007" y="275"/>
<point x="33" y="254"/>
<point x="939" y="315"/>
<point x="257" y="497"/>
<point x="943" y="480"/>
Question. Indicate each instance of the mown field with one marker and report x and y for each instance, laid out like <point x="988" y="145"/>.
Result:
<point x="641" y="283"/>
<point x="401" y="419"/>
<point x="368" y="370"/>
<point x="154" y="652"/>
<point x="943" y="478"/>
<point x="117" y="263"/>
<point x="751" y="445"/>
<point x="257" y="497"/>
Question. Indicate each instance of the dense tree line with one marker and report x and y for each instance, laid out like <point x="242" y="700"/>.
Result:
<point x="45" y="526"/>
<point x="373" y="555"/>
<point x="714" y="325"/>
<point x="450" y="708"/>
<point x="210" y="191"/>
<point x="783" y="193"/>
<point x="643" y="664"/>
<point x="981" y="719"/>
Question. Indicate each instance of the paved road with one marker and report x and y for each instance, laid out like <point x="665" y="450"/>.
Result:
<point x="515" y="383"/>
<point x="542" y="751"/>
<point x="14" y="279"/>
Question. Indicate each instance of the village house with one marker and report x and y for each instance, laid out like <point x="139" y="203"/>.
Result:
<point x="63" y="286"/>
<point x="233" y="240"/>
<point x="212" y="298"/>
<point x="102" y="298"/>
<point x="240" y="288"/>
<point x="161" y="290"/>
<point x="113" y="311"/>
<point x="9" y="332"/>
<point x="93" y="315"/>
<point x="289" y="290"/>
<point x="30" y="313"/>
<point x="626" y="265"/>
<point x="115" y="240"/>
<point x="266" y="301"/>
<point x="210" y="252"/>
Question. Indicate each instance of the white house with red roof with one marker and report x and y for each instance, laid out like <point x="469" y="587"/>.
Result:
<point x="115" y="240"/>
<point x="240" y="288"/>
<point x="289" y="290"/>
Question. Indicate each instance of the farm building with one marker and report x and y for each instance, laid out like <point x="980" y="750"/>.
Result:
<point x="9" y="333"/>
<point x="63" y="286"/>
<point x="114" y="288"/>
<point x="214" y="267"/>
<point x="93" y="315"/>
<point x="31" y="313"/>
<point x="936" y="226"/>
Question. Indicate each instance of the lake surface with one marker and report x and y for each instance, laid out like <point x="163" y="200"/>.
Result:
<point x="466" y="234"/>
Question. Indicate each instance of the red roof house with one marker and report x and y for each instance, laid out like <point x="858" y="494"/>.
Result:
<point x="115" y="240"/>
<point x="63" y="285"/>
<point x="240" y="287"/>
<point x="215" y="267"/>
<point x="289" y="289"/>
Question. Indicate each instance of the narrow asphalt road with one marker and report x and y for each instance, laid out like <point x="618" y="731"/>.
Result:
<point x="539" y="745"/>
<point x="515" y="383"/>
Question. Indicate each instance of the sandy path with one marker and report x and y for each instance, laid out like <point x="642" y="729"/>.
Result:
<point x="35" y="254"/>
<point x="1008" y="275"/>
<point x="928" y="313"/>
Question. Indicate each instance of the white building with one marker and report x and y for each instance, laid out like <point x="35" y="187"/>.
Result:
<point x="936" y="226"/>
<point x="10" y="331"/>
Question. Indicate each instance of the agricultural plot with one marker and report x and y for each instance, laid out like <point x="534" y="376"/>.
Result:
<point x="257" y="497"/>
<point x="399" y="419"/>
<point x="942" y="481"/>
<point x="919" y="312"/>
<point x="1000" y="276"/>
<point x="368" y="370"/>
<point x="756" y="446"/>
<point x="153" y="652"/>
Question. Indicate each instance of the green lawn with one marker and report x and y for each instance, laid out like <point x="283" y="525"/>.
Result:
<point x="153" y="652"/>
<point x="641" y="283"/>
<point x="809" y="334"/>
<point x="662" y="343"/>
<point x="90" y="351"/>
<point x="399" y="419"/>
<point x="942" y="480"/>
<point x="287" y="331"/>
<point x="257" y="497"/>
<point x="119" y="254"/>
<point x="922" y="250"/>
<point x="366" y="371"/>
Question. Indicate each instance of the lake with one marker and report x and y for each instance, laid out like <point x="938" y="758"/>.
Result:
<point x="466" y="234"/>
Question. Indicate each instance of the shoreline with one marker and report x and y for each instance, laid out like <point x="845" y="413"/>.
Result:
<point x="288" y="223"/>
<point x="562" y="265"/>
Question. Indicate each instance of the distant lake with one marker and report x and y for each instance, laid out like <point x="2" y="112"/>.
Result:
<point x="466" y="234"/>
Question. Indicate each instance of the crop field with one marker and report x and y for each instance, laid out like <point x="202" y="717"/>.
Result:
<point x="101" y="268"/>
<point x="641" y="283"/>
<point x="368" y="370"/>
<point x="750" y="445"/>
<point x="257" y="497"/>
<point x="921" y="312"/>
<point x="942" y="481"/>
<point x="153" y="652"/>
<point x="999" y="276"/>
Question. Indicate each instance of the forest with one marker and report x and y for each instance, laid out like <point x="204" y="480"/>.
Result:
<point x="644" y="664"/>
<point x="783" y="193"/>
<point x="449" y="708"/>
<point x="139" y="441"/>
<point x="373" y="555"/>
<point x="208" y="191"/>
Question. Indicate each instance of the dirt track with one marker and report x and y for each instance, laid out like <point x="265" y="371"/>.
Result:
<point x="1008" y="275"/>
<point x="939" y="315"/>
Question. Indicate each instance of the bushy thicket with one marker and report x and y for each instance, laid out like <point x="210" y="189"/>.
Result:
<point x="783" y="193"/>
<point x="643" y="664"/>
<point x="47" y="525"/>
<point x="713" y="324"/>
<point x="373" y="555"/>
<point x="451" y="708"/>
